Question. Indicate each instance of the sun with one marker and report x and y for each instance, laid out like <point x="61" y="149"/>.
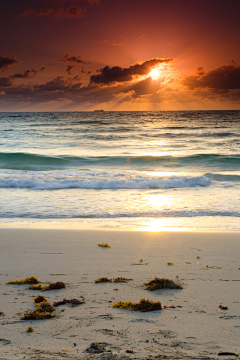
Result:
<point x="154" y="74"/>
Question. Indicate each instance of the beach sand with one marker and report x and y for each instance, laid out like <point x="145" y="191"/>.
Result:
<point x="195" y="328"/>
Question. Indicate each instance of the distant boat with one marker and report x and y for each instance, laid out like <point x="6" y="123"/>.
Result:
<point x="99" y="110"/>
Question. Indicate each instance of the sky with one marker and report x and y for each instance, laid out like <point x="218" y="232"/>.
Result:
<point x="82" y="55"/>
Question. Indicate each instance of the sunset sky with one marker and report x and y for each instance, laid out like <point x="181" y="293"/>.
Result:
<point x="67" y="55"/>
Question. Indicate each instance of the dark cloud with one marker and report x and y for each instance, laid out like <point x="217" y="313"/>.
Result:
<point x="85" y="71"/>
<point x="72" y="59"/>
<point x="61" y="13"/>
<point x="6" y="61"/>
<point x="224" y="78"/>
<point x="27" y="74"/>
<point x="38" y="12"/>
<point x="71" y="12"/>
<point x="200" y="71"/>
<point x="59" y="84"/>
<point x="109" y="75"/>
<point x="73" y="62"/>
<point x="5" y="82"/>
<point x="8" y="81"/>
<point x="69" y="68"/>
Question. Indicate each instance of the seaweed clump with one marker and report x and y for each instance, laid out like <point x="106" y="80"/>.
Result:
<point x="157" y="283"/>
<point x="104" y="245"/>
<point x="39" y="299"/>
<point x="103" y="280"/>
<point x="52" y="286"/>
<point x="116" y="280"/>
<point x="42" y="311"/>
<point x="29" y="329"/>
<point x="143" y="305"/>
<point x="121" y="279"/>
<point x="72" y="302"/>
<point x="28" y="280"/>
<point x="2" y="313"/>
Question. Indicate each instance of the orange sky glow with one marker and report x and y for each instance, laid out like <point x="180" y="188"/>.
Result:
<point x="82" y="55"/>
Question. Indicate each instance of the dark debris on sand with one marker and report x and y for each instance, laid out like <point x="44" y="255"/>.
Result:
<point x="97" y="348"/>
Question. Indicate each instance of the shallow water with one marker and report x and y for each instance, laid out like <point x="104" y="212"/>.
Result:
<point x="182" y="167"/>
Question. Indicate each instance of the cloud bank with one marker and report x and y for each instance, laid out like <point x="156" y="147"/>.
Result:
<point x="109" y="75"/>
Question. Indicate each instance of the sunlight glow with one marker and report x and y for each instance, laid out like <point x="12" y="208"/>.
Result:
<point x="154" y="74"/>
<point x="162" y="224"/>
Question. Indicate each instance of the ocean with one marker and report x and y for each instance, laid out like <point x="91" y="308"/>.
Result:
<point x="125" y="170"/>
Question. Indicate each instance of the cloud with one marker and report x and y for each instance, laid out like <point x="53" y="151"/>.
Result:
<point x="141" y="92"/>
<point x="61" y="13"/>
<point x="8" y="81"/>
<point x="27" y="74"/>
<point x="59" y="84"/>
<point x="72" y="59"/>
<point x="69" y="68"/>
<point x="71" y="12"/>
<point x="225" y="78"/>
<point x="6" y="61"/>
<point x="85" y="71"/>
<point x="5" y="82"/>
<point x="104" y="41"/>
<point x="109" y="75"/>
<point x="38" y="12"/>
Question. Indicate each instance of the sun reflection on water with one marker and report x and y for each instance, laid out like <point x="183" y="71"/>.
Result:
<point x="162" y="224"/>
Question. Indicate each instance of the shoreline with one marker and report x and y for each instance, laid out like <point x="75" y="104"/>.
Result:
<point x="196" y="224"/>
<point x="196" y="330"/>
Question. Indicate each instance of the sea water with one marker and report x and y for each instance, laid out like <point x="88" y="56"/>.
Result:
<point x="145" y="170"/>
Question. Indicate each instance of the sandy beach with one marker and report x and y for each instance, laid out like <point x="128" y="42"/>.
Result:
<point x="191" y="326"/>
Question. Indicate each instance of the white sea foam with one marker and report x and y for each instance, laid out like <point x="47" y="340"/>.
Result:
<point x="96" y="180"/>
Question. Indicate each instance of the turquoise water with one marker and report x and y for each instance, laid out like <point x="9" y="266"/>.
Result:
<point x="178" y="168"/>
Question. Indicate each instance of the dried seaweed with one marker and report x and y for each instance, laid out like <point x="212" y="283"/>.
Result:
<point x="29" y="329"/>
<point x="72" y="302"/>
<point x="42" y="311"/>
<point x="39" y="299"/>
<point x="52" y="286"/>
<point x="105" y="245"/>
<point x="157" y="283"/>
<point x="103" y="280"/>
<point x="143" y="305"/>
<point x="121" y="279"/>
<point x="27" y="280"/>
<point x="116" y="280"/>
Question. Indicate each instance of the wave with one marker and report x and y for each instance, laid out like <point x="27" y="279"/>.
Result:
<point x="97" y="180"/>
<point x="106" y="215"/>
<point x="26" y="161"/>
